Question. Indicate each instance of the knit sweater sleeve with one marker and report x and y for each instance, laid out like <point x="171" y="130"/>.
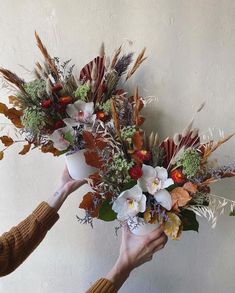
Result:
<point x="102" y="286"/>
<point x="17" y="244"/>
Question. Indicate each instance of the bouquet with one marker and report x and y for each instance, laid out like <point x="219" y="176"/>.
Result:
<point x="146" y="182"/>
<point x="51" y="111"/>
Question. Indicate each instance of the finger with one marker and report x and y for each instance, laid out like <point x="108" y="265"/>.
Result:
<point x="79" y="183"/>
<point x="158" y="243"/>
<point x="155" y="234"/>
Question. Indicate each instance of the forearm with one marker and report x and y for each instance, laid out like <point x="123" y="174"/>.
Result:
<point x="17" y="244"/>
<point x="57" y="199"/>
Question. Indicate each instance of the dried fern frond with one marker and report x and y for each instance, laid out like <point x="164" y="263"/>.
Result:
<point x="140" y="59"/>
<point x="47" y="57"/>
<point x="215" y="208"/>
<point x="12" y="78"/>
<point x="210" y="147"/>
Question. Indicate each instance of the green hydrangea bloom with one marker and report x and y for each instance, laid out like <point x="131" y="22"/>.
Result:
<point x="36" y="89"/>
<point x="120" y="166"/>
<point x="106" y="107"/>
<point x="82" y="91"/>
<point x="127" y="133"/>
<point x="33" y="119"/>
<point x="190" y="161"/>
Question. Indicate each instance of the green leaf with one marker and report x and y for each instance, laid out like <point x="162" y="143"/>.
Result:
<point x="69" y="137"/>
<point x="106" y="212"/>
<point x="189" y="220"/>
<point x="129" y="185"/>
<point x="171" y="187"/>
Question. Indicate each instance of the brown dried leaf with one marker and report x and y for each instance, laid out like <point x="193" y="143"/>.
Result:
<point x="115" y="118"/>
<point x="190" y="187"/>
<point x="1" y="155"/>
<point x="25" y="149"/>
<point x="14" y="101"/>
<point x="93" y="159"/>
<point x="12" y="114"/>
<point x="180" y="196"/>
<point x="89" y="139"/>
<point x="49" y="148"/>
<point x="138" y="140"/>
<point x="6" y="140"/>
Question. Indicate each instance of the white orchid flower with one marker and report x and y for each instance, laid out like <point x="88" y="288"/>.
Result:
<point x="155" y="181"/>
<point x="58" y="138"/>
<point x="80" y="112"/>
<point x="129" y="203"/>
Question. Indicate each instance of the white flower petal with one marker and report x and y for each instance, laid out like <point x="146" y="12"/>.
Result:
<point x="89" y="108"/>
<point x="161" y="173"/>
<point x="142" y="204"/>
<point x="167" y="183"/>
<point x="71" y="122"/>
<point x="163" y="197"/>
<point x="80" y="105"/>
<point x="148" y="171"/>
<point x="71" y="111"/>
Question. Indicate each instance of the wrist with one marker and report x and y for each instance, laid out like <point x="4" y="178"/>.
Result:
<point x="58" y="198"/>
<point x="119" y="273"/>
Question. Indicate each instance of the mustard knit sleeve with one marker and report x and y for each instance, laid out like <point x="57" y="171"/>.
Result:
<point x="102" y="286"/>
<point x="17" y="244"/>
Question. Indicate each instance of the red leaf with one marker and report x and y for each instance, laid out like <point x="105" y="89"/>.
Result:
<point x="93" y="159"/>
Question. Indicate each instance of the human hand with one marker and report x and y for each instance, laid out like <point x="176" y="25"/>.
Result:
<point x="135" y="251"/>
<point x="68" y="184"/>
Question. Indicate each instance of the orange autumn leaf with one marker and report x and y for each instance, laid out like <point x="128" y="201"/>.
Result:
<point x="137" y="140"/>
<point x="190" y="187"/>
<point x="89" y="205"/>
<point x="26" y="149"/>
<point x="6" y="140"/>
<point x="180" y="196"/>
<point x="93" y="159"/>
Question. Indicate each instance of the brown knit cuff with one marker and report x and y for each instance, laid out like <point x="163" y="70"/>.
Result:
<point x="102" y="286"/>
<point x="46" y="215"/>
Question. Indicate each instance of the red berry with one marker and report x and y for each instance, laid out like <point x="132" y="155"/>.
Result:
<point x="46" y="103"/>
<point x="143" y="155"/>
<point x="65" y="100"/>
<point x="178" y="176"/>
<point x="101" y="115"/>
<point x="135" y="172"/>
<point x="57" y="87"/>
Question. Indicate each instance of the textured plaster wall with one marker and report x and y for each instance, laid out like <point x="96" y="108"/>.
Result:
<point x="191" y="49"/>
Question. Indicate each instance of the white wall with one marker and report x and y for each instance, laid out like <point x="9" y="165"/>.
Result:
<point x="191" y="49"/>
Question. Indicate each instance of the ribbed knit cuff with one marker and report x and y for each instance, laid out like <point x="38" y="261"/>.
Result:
<point x="102" y="286"/>
<point x="46" y="215"/>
